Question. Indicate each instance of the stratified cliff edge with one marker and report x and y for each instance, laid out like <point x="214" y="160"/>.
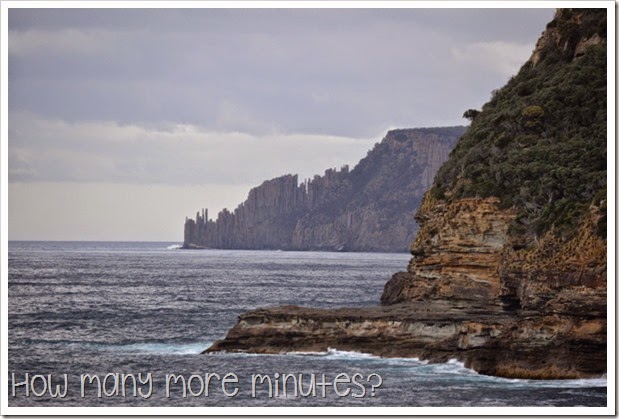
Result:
<point x="369" y="208"/>
<point x="509" y="266"/>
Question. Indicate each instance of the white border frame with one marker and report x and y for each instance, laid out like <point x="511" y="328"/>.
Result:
<point x="358" y="411"/>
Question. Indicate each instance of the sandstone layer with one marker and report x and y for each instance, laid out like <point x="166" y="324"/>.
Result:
<point x="487" y="339"/>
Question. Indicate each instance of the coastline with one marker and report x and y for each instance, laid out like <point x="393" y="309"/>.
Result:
<point x="487" y="340"/>
<point x="509" y="267"/>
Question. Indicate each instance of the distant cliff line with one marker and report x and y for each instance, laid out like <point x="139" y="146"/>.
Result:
<point x="369" y="208"/>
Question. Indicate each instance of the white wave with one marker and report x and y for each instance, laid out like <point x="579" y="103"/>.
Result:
<point x="461" y="377"/>
<point x="332" y="353"/>
<point x="158" y="348"/>
<point x="406" y="361"/>
<point x="323" y="354"/>
<point x="568" y="383"/>
<point x="174" y="246"/>
<point x="453" y="369"/>
<point x="337" y="354"/>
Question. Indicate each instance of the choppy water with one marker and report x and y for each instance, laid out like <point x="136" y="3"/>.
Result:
<point x="102" y="308"/>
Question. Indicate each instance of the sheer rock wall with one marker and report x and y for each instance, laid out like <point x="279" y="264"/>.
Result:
<point x="369" y="208"/>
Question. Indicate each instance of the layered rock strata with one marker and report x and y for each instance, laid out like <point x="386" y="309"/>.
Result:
<point x="457" y="253"/>
<point x="487" y="339"/>
<point x="457" y="301"/>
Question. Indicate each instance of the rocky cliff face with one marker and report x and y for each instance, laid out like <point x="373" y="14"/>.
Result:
<point x="369" y="208"/>
<point x="571" y="32"/>
<point x="264" y="220"/>
<point x="544" y="262"/>
<point x="482" y="236"/>
<point x="509" y="266"/>
<point x="457" y="253"/>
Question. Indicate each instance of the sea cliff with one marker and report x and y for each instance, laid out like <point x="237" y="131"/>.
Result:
<point x="369" y="208"/>
<point x="509" y="264"/>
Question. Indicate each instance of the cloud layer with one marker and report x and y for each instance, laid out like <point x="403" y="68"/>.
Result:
<point x="57" y="151"/>
<point x="336" y="72"/>
<point x="137" y="117"/>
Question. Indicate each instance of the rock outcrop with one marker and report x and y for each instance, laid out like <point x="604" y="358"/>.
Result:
<point x="509" y="267"/>
<point x="457" y="253"/>
<point x="487" y="339"/>
<point x="368" y="208"/>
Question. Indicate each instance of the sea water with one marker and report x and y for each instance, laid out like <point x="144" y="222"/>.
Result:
<point x="135" y="317"/>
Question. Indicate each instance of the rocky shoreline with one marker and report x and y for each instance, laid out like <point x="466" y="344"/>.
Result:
<point x="455" y="302"/>
<point x="508" y="273"/>
<point x="489" y="340"/>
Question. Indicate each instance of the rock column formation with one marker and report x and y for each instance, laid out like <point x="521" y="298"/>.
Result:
<point x="369" y="208"/>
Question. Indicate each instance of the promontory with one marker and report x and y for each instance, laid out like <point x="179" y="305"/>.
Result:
<point x="508" y="272"/>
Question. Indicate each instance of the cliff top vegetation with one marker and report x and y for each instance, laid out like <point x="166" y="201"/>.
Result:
<point x="539" y="144"/>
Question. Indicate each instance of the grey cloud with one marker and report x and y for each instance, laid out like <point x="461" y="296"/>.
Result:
<point x="470" y="23"/>
<point x="56" y="151"/>
<point x="342" y="72"/>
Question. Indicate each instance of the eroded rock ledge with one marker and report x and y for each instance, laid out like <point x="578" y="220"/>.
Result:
<point x="456" y="300"/>
<point x="488" y="340"/>
<point x="491" y="341"/>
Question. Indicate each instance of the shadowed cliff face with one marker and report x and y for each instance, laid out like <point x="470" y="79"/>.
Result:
<point x="509" y="267"/>
<point x="369" y="208"/>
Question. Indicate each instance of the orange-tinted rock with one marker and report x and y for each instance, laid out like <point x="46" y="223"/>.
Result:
<point x="457" y="251"/>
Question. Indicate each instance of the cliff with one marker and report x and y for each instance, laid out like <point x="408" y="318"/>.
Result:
<point x="509" y="266"/>
<point x="368" y="208"/>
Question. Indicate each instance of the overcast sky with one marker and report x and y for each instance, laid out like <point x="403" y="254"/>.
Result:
<point x="122" y="122"/>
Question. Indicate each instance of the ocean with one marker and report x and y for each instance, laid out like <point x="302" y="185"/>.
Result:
<point x="123" y="324"/>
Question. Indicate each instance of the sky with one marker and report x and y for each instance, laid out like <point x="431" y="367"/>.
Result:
<point x="124" y="121"/>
